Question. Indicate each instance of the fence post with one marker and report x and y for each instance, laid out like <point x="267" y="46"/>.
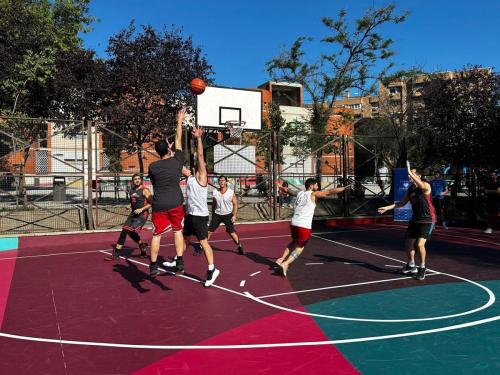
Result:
<point x="90" y="168"/>
<point x="274" y="141"/>
<point x="345" y="173"/>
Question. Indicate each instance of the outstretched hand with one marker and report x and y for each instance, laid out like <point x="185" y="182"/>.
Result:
<point x="197" y="132"/>
<point x="180" y="116"/>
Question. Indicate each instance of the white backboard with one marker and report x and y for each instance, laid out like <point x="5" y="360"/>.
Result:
<point x="220" y="104"/>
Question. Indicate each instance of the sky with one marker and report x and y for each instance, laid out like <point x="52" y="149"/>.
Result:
<point x="239" y="37"/>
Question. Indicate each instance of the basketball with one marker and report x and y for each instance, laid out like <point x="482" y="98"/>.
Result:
<point x="198" y="86"/>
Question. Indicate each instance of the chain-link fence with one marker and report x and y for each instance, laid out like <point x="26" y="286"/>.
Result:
<point x="42" y="175"/>
<point x="60" y="175"/>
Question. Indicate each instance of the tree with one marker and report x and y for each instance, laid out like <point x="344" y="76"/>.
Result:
<point x="355" y="50"/>
<point x="399" y="102"/>
<point x="32" y="36"/>
<point x="462" y="113"/>
<point x="149" y="75"/>
<point x="461" y="116"/>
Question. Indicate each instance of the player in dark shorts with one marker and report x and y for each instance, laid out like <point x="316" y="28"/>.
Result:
<point x="492" y="192"/>
<point x="196" y="220"/>
<point x="168" y="212"/>
<point x="139" y="205"/>
<point x="439" y="190"/>
<point x="225" y="210"/>
<point x="420" y="226"/>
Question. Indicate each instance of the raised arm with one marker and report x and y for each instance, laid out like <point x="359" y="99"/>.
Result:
<point x="326" y="193"/>
<point x="179" y="117"/>
<point x="201" y="172"/>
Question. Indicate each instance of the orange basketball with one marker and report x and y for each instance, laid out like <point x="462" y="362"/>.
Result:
<point x="198" y="86"/>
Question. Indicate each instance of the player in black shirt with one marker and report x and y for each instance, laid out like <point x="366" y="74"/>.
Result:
<point x="422" y="223"/>
<point x="139" y="205"/>
<point x="168" y="212"/>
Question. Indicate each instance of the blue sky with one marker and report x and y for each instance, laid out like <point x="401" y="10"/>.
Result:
<point x="239" y="37"/>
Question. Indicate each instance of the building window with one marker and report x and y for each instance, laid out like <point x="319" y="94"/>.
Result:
<point x="354" y="106"/>
<point x="395" y="90"/>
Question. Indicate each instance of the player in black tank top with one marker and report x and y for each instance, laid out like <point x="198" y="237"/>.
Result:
<point x="420" y="226"/>
<point x="139" y="205"/>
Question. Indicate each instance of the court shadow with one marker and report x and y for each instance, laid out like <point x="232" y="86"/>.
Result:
<point x="259" y="259"/>
<point x="357" y="263"/>
<point x="135" y="276"/>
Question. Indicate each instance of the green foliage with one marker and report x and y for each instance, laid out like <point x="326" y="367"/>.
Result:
<point x="462" y="115"/>
<point x="148" y="76"/>
<point x="32" y="36"/>
<point x="349" y="58"/>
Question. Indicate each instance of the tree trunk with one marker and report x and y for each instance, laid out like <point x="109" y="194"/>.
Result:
<point x="141" y="162"/>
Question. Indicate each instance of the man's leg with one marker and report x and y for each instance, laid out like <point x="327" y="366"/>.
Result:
<point x="420" y="244"/>
<point x="291" y="258"/>
<point x="410" y="255"/>
<point x="155" y="249"/>
<point x="291" y="247"/>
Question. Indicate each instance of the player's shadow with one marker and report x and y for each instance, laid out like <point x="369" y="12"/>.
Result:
<point x="135" y="276"/>
<point x="357" y="263"/>
<point x="259" y="259"/>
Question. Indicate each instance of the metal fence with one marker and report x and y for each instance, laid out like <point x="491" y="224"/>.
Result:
<point x="60" y="175"/>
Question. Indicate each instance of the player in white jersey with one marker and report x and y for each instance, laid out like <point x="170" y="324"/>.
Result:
<point x="301" y="224"/>
<point x="196" y="219"/>
<point x="225" y="210"/>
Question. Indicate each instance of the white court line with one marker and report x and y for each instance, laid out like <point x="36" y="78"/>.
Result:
<point x="439" y="233"/>
<point x="255" y="273"/>
<point x="343" y="286"/>
<point x="50" y="255"/>
<point x="354" y="263"/>
<point x="272" y="345"/>
<point x="251" y="346"/>
<point x="256" y="346"/>
<point x="242" y="283"/>
<point x="179" y="275"/>
<point x="312" y="264"/>
<point x="392" y="265"/>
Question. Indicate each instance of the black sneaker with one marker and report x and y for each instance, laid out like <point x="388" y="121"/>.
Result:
<point x="115" y="254"/>
<point x="420" y="273"/>
<point x="240" y="250"/>
<point x="143" y="246"/>
<point x="211" y="276"/>
<point x="179" y="266"/>
<point x="409" y="269"/>
<point x="153" y="270"/>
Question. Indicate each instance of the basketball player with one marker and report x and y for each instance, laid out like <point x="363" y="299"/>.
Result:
<point x="300" y="226"/>
<point x="196" y="221"/>
<point x="168" y="211"/>
<point x="225" y="210"/>
<point x="421" y="224"/>
<point x="139" y="205"/>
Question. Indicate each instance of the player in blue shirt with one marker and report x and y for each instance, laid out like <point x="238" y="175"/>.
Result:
<point x="439" y="190"/>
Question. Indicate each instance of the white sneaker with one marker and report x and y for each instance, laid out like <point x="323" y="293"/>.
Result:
<point x="171" y="264"/>
<point x="488" y="231"/>
<point x="211" y="276"/>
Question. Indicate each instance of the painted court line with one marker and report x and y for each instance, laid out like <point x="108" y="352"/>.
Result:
<point x="312" y="264"/>
<point x="255" y="273"/>
<point x="242" y="283"/>
<point x="343" y="286"/>
<point x="182" y="276"/>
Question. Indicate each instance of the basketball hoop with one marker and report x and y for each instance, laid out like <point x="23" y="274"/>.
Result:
<point x="235" y="128"/>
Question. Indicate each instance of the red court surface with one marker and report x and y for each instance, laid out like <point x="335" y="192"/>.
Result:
<point x="64" y="310"/>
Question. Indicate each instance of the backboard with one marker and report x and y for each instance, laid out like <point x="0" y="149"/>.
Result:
<point x="220" y="104"/>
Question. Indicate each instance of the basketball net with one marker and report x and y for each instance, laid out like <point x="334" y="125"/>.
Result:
<point x="235" y="128"/>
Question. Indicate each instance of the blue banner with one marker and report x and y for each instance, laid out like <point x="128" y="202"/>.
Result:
<point x="401" y="183"/>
